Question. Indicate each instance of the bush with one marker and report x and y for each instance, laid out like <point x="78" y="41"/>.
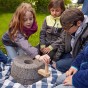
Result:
<point x="10" y="5"/>
<point x="41" y="5"/>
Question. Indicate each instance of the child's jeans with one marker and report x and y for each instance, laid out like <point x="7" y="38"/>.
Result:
<point x="13" y="51"/>
<point x="60" y="84"/>
<point x="3" y="58"/>
<point x="64" y="62"/>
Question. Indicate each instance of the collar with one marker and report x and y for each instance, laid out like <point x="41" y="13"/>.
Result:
<point x="55" y="18"/>
<point x="82" y="25"/>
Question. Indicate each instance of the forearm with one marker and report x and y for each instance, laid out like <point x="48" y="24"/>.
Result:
<point x="45" y="58"/>
<point x="77" y="62"/>
<point x="25" y="45"/>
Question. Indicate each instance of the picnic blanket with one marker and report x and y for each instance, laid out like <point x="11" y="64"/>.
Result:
<point x="7" y="81"/>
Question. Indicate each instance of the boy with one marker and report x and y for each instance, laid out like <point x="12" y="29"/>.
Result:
<point x="50" y="35"/>
<point x="75" y="24"/>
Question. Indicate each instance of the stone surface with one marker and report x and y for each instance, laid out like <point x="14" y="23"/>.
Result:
<point x="25" y="70"/>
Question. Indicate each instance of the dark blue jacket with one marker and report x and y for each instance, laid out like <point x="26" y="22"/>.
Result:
<point x="80" y="78"/>
<point x="85" y="7"/>
<point x="3" y="58"/>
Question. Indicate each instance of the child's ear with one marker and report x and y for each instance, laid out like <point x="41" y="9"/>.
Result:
<point x="79" y="23"/>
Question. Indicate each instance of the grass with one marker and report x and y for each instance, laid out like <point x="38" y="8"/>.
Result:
<point x="4" y="22"/>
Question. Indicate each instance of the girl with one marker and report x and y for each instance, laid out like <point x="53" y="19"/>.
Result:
<point x="50" y="35"/>
<point x="22" y="25"/>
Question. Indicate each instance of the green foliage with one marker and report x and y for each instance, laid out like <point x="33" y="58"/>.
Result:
<point x="41" y="5"/>
<point x="67" y="2"/>
<point x="11" y="5"/>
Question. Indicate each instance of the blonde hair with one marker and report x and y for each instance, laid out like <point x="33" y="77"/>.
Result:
<point x="16" y="23"/>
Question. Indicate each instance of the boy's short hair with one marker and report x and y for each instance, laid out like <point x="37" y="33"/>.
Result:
<point x="70" y="17"/>
<point x="56" y="4"/>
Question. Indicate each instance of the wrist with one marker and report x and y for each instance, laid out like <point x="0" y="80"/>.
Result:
<point x="42" y="46"/>
<point x="73" y="67"/>
<point x="37" y="57"/>
<point x="50" y="47"/>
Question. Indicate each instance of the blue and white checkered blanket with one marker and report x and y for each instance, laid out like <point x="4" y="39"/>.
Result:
<point x="7" y="81"/>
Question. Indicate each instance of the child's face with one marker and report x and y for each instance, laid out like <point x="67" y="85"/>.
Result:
<point x="72" y="29"/>
<point x="55" y="12"/>
<point x="28" y="19"/>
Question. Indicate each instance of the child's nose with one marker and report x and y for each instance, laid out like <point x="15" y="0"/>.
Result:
<point x="54" y="12"/>
<point x="28" y="21"/>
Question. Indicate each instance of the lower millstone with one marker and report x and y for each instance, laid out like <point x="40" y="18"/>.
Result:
<point x="25" y="70"/>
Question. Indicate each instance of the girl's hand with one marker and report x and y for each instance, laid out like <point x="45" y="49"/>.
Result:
<point x="45" y="58"/>
<point x="71" y="71"/>
<point x="68" y="81"/>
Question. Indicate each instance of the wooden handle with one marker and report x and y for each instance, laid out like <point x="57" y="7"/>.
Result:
<point x="46" y="68"/>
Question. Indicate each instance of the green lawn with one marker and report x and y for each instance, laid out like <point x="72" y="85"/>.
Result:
<point x="4" y="22"/>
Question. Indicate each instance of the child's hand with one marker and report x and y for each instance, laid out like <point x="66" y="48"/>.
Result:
<point x="68" y="81"/>
<point x="45" y="58"/>
<point x="42" y="50"/>
<point x="71" y="71"/>
<point x="46" y="50"/>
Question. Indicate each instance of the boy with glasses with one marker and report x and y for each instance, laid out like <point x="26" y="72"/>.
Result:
<point x="74" y="22"/>
<point x="75" y="25"/>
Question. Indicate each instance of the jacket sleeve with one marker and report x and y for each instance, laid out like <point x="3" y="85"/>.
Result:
<point x="43" y="33"/>
<point x="60" y="41"/>
<point x="60" y="45"/>
<point x="80" y="79"/>
<point x="78" y="60"/>
<point x="23" y="43"/>
<point x="81" y="57"/>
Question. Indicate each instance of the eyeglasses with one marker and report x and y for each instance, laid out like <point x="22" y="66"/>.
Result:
<point x="68" y="27"/>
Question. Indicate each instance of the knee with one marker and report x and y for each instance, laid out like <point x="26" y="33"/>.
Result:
<point x="62" y="67"/>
